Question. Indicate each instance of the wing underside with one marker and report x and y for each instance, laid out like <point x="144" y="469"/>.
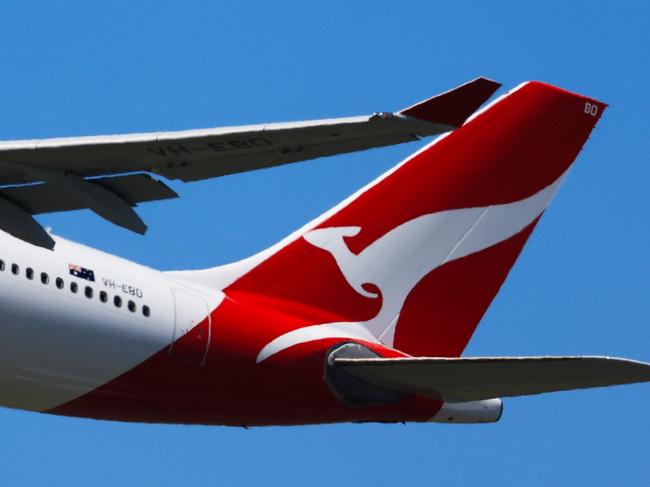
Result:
<point x="39" y="176"/>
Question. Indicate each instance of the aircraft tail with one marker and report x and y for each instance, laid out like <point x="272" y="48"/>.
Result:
<point x="414" y="259"/>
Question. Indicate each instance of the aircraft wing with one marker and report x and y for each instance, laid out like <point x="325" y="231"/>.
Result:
<point x="66" y="169"/>
<point x="480" y="378"/>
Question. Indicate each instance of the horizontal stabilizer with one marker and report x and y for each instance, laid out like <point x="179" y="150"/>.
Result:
<point x="474" y="379"/>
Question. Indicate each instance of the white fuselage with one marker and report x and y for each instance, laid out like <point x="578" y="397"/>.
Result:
<point x="57" y="344"/>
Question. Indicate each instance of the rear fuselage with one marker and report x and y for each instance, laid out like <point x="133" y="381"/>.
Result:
<point x="86" y="333"/>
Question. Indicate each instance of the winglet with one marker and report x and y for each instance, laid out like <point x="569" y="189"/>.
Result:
<point x="453" y="107"/>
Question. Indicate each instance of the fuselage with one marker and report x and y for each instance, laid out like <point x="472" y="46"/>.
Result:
<point x="86" y="333"/>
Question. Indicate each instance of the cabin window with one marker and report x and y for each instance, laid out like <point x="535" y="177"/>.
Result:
<point x="15" y="269"/>
<point x="88" y="291"/>
<point x="117" y="301"/>
<point x="2" y="265"/>
<point x="45" y="278"/>
<point x="29" y="273"/>
<point x="103" y="297"/>
<point x="59" y="283"/>
<point x="131" y="306"/>
<point x="146" y="311"/>
<point x="74" y="287"/>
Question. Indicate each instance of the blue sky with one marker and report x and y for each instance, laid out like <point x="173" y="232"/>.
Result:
<point x="581" y="285"/>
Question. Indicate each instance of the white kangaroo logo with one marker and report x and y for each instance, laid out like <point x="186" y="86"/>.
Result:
<point x="398" y="260"/>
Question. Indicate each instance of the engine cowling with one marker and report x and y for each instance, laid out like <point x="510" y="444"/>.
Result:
<point x="486" y="411"/>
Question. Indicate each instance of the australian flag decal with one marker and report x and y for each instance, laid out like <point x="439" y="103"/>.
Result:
<point x="81" y="272"/>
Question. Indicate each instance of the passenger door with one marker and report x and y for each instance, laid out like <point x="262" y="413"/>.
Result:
<point x="191" y="327"/>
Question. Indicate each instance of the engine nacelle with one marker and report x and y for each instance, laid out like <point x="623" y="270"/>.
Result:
<point x="487" y="411"/>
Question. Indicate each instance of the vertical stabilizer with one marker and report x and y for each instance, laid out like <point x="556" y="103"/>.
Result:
<point x="414" y="259"/>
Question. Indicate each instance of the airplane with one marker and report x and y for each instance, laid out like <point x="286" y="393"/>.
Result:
<point x="361" y="315"/>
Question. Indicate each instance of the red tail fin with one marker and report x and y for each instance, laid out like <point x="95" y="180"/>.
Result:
<point x="415" y="259"/>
